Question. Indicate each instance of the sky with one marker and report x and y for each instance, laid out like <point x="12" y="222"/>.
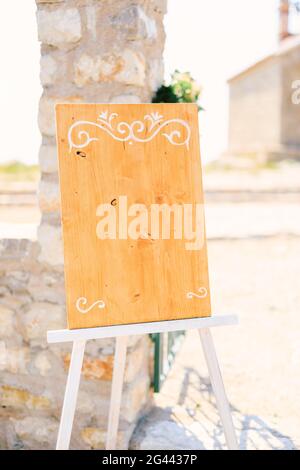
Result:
<point x="19" y="82"/>
<point x="213" y="39"/>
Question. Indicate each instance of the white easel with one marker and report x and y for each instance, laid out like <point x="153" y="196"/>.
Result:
<point x="121" y="333"/>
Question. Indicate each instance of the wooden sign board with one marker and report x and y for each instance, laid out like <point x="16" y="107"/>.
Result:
<point x="132" y="213"/>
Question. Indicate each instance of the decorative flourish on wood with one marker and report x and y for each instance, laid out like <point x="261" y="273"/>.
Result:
<point x="123" y="131"/>
<point x="202" y="294"/>
<point x="83" y="301"/>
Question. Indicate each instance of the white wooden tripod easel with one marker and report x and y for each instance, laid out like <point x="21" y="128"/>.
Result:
<point x="121" y="333"/>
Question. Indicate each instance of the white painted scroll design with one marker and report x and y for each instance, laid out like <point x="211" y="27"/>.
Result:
<point x="83" y="301"/>
<point x="202" y="294"/>
<point x="123" y="131"/>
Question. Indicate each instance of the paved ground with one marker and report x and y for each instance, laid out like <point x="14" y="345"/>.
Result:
<point x="260" y="280"/>
<point x="19" y="212"/>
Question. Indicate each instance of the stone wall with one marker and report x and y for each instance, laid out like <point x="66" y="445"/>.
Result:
<point x="263" y="120"/>
<point x="254" y="111"/>
<point x="91" y="51"/>
<point x="290" y="129"/>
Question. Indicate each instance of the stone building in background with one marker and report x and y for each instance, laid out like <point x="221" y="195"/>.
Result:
<point x="264" y="120"/>
<point x="91" y="51"/>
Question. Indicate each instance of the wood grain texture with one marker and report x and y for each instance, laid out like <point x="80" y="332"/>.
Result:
<point x="143" y="280"/>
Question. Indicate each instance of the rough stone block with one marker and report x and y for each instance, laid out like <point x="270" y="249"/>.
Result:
<point x="87" y="69"/>
<point x="6" y="321"/>
<point x="91" y="20"/>
<point x="14" y="360"/>
<point x="47" y="287"/>
<point x="89" y="403"/>
<point x="15" y="302"/>
<point x="36" y="432"/>
<point x="159" y="6"/>
<point x="94" y="369"/>
<point x="42" y="363"/>
<point x="135" y="23"/>
<point x="138" y="360"/>
<point x="16" y="281"/>
<point x="126" y="99"/>
<point x="50" y="239"/>
<point x="95" y="437"/>
<point x="16" y="250"/>
<point x="135" y="398"/>
<point x="46" y="116"/>
<point x="2" y="355"/>
<point x="126" y="67"/>
<point x="156" y="74"/>
<point x="133" y="70"/>
<point x="39" y="318"/>
<point x="48" y="71"/>
<point x="16" y="397"/>
<point x="3" y="291"/>
<point x="59" y="27"/>
<point x="103" y="347"/>
<point x="48" y="159"/>
<point x="49" y="196"/>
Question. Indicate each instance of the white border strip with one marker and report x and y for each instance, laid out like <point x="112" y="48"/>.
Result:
<point x="62" y="336"/>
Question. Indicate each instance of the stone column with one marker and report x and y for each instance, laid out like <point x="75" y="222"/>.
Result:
<point x="93" y="51"/>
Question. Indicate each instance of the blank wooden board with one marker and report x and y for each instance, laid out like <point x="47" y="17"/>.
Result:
<point x="146" y="154"/>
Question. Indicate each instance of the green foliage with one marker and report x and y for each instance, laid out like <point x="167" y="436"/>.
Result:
<point x="18" y="171"/>
<point x="182" y="89"/>
<point x="165" y="94"/>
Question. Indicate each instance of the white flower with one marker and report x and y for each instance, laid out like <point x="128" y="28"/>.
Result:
<point x="156" y="116"/>
<point x="104" y="115"/>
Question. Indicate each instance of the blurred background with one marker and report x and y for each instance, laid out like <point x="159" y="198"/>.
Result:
<point x="245" y="56"/>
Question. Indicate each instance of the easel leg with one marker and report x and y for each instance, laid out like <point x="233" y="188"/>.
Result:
<point x="116" y="392"/>
<point x="70" y="399"/>
<point x="218" y="387"/>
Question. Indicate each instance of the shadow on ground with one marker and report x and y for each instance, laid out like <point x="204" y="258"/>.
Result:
<point x="198" y="426"/>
